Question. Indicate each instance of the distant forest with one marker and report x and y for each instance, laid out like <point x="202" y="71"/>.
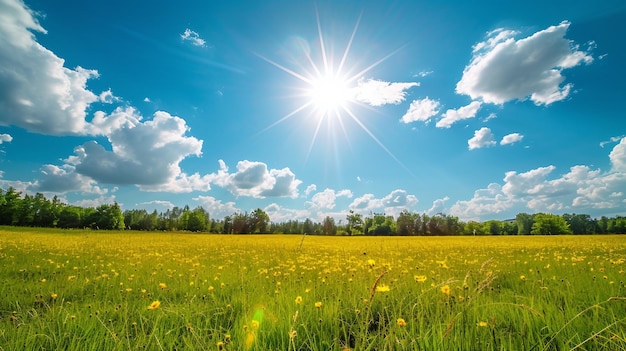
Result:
<point x="38" y="211"/>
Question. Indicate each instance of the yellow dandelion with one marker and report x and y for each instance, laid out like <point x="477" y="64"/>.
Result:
<point x="154" y="305"/>
<point x="318" y="304"/>
<point x="522" y="277"/>
<point x="162" y="286"/>
<point x="401" y="322"/>
<point x="255" y="324"/>
<point x="446" y="290"/>
<point x="211" y="288"/>
<point x="482" y="324"/>
<point x="420" y="278"/>
<point x="371" y="263"/>
<point x="227" y="338"/>
<point x="220" y="345"/>
<point x="382" y="288"/>
<point x="298" y="300"/>
<point x="54" y="296"/>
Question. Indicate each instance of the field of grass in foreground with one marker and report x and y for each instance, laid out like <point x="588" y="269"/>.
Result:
<point x="90" y="290"/>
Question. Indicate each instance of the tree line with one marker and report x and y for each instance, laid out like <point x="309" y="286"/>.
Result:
<point x="38" y="211"/>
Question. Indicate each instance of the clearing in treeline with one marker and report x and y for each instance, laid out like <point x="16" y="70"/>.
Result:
<point x="99" y="290"/>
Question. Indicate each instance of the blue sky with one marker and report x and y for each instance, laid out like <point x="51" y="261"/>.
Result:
<point x="311" y="109"/>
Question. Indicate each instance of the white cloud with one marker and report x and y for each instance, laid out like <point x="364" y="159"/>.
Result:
<point x="37" y="92"/>
<point x="452" y="116"/>
<point x="377" y="92"/>
<point x="505" y="69"/>
<point x="511" y="138"/>
<point x="193" y="37"/>
<point x="55" y="179"/>
<point x="613" y="139"/>
<point x="581" y="189"/>
<point x="309" y="189"/>
<point x="325" y="200"/>
<point x="490" y="117"/>
<point x="391" y="204"/>
<point x="618" y="156"/>
<point x="101" y="200"/>
<point x="421" y="110"/>
<point x="5" y="138"/>
<point x="282" y="214"/>
<point x="255" y="180"/>
<point x="107" y="97"/>
<point x="439" y="206"/>
<point x="147" y="99"/>
<point x="145" y="154"/>
<point x="215" y="207"/>
<point x="482" y="138"/>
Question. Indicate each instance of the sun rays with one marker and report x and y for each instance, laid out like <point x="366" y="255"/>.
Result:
<point x="329" y="89"/>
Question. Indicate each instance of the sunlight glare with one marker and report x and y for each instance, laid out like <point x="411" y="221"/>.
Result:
<point x="329" y="92"/>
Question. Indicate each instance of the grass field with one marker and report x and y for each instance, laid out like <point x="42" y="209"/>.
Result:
<point x="90" y="290"/>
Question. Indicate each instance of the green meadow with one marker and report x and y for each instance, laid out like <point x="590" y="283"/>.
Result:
<point x="100" y="290"/>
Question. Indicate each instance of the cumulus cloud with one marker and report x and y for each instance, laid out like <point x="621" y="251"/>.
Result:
<point x="255" y="180"/>
<point x="421" y="110"/>
<point x="511" y="138"/>
<point x="193" y="37"/>
<point x="146" y="154"/>
<point x="505" y="69"/>
<point x="452" y="116"/>
<point x="309" y="189"/>
<point x="482" y="138"/>
<point x="377" y="92"/>
<point x="107" y="97"/>
<point x="439" y="206"/>
<point x="581" y="189"/>
<point x="5" y="138"/>
<point x="37" y="92"/>
<point x="325" y="200"/>
<point x="391" y="204"/>
<point x="215" y="207"/>
<point x="55" y="179"/>
<point x="618" y="156"/>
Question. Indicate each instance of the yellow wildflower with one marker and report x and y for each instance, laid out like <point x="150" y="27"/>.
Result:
<point x="154" y="305"/>
<point x="220" y="345"/>
<point x="298" y="300"/>
<point x="420" y="278"/>
<point x="371" y="263"/>
<point x="54" y="296"/>
<point x="292" y="334"/>
<point x="255" y="324"/>
<point x="318" y="304"/>
<point x="482" y="324"/>
<point x="382" y="288"/>
<point x="401" y="322"/>
<point x="162" y="286"/>
<point x="446" y="290"/>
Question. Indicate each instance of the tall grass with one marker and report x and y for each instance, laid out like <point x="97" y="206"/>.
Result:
<point x="90" y="290"/>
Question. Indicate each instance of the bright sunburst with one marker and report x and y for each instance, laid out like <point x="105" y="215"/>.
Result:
<point x="329" y="90"/>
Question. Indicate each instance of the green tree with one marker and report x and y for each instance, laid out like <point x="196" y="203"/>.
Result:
<point x="524" y="222"/>
<point x="355" y="223"/>
<point x="329" y="227"/>
<point x="259" y="221"/>
<point x="549" y="224"/>
<point x="198" y="220"/>
<point x="406" y="223"/>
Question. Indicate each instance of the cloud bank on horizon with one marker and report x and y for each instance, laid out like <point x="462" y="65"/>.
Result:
<point x="117" y="146"/>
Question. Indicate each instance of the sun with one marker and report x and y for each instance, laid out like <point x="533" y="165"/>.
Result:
<point x="329" y="92"/>
<point x="329" y="88"/>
